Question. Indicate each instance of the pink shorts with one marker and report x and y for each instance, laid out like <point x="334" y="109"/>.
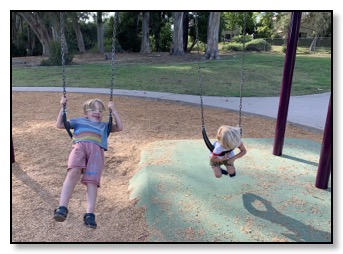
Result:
<point x="90" y="158"/>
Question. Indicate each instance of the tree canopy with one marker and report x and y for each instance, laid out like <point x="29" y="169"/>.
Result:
<point x="33" y="32"/>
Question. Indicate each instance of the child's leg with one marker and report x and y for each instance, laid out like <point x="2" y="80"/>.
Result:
<point x="92" y="190"/>
<point x="68" y="186"/>
<point x="89" y="216"/>
<point x="231" y="170"/>
<point x="217" y="171"/>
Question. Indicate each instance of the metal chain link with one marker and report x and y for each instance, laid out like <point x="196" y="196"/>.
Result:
<point x="242" y="76"/>
<point x="64" y="112"/>
<point x="63" y="60"/>
<point x="110" y="119"/>
<point x="113" y="55"/>
<point x="199" y="72"/>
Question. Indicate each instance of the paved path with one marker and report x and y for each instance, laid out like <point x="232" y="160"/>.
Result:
<point x="308" y="111"/>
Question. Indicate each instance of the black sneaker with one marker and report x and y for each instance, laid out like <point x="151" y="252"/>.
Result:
<point x="89" y="219"/>
<point x="224" y="172"/>
<point x="61" y="213"/>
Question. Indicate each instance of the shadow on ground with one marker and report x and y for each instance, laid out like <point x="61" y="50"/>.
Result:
<point x="271" y="199"/>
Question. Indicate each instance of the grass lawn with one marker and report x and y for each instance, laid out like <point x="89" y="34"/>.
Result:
<point x="262" y="75"/>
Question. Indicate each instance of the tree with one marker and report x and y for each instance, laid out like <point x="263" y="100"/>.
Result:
<point x="145" y="45"/>
<point x="100" y="32"/>
<point x="212" y="36"/>
<point x="281" y="24"/>
<point x="35" y="21"/>
<point x="185" y="26"/>
<point x="234" y="20"/>
<point x="198" y="30"/>
<point x="129" y="30"/>
<point x="160" y="27"/>
<point x="77" y="30"/>
<point x="316" y="23"/>
<point x="319" y="23"/>
<point x="15" y="24"/>
<point x="177" y="48"/>
<point x="264" y="26"/>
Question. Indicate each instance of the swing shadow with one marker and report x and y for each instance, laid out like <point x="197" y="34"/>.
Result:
<point x="39" y="189"/>
<point x="301" y="231"/>
<point x="299" y="160"/>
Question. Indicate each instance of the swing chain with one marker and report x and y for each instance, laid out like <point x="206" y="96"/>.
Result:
<point x="242" y="75"/>
<point x="113" y="54"/>
<point x="199" y="71"/>
<point x="63" y="60"/>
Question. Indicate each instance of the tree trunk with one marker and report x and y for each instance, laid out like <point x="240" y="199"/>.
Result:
<point x="14" y="27"/>
<point x="177" y="47"/>
<point x="31" y="42"/>
<point x="313" y="44"/>
<point x="185" y="26"/>
<point x="212" y="36"/>
<point x="54" y="17"/>
<point x="77" y="30"/>
<point x="145" y="45"/>
<point x="157" y="35"/>
<point x="157" y="30"/>
<point x="38" y="27"/>
<point x="100" y="32"/>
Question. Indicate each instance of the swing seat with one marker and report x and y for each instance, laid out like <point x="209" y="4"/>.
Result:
<point x="207" y="141"/>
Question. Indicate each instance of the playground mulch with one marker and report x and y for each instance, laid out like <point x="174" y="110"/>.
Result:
<point x="41" y="152"/>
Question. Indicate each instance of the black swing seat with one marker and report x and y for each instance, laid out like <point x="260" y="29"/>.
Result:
<point x="67" y="124"/>
<point x="110" y="120"/>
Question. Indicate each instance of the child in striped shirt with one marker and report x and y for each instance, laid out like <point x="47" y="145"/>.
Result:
<point x="87" y="155"/>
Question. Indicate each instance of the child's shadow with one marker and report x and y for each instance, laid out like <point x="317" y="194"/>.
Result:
<point x="36" y="187"/>
<point x="301" y="232"/>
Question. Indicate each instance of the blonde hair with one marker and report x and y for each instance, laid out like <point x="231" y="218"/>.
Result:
<point x="229" y="137"/>
<point x="90" y="104"/>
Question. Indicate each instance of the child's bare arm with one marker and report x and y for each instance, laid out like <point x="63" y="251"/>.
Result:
<point x="242" y="152"/>
<point x="119" y="125"/>
<point x="59" y="122"/>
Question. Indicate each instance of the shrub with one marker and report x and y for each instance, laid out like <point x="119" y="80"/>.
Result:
<point x="55" y="58"/>
<point x="235" y="46"/>
<point x="284" y="47"/>
<point x="258" y="45"/>
<point x="108" y="46"/>
<point x="17" y="51"/>
<point x="239" y="38"/>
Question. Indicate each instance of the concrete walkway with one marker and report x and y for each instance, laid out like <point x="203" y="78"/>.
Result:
<point x="308" y="111"/>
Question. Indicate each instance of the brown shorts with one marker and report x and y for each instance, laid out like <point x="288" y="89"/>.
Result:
<point x="90" y="158"/>
<point x="218" y="164"/>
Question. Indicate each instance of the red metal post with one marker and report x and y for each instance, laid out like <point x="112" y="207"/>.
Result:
<point x="325" y="161"/>
<point x="293" y="35"/>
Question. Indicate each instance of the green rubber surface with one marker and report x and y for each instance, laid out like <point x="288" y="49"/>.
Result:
<point x="271" y="198"/>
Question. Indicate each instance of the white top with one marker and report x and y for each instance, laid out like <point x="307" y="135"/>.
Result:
<point x="218" y="149"/>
